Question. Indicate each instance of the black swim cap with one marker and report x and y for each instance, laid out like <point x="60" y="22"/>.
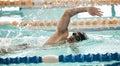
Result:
<point x="81" y="36"/>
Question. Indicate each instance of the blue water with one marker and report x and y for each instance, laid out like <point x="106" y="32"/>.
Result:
<point x="98" y="41"/>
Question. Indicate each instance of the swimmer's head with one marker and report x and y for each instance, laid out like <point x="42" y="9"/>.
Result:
<point x="77" y="36"/>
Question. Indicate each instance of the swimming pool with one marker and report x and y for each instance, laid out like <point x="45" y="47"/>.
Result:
<point x="100" y="41"/>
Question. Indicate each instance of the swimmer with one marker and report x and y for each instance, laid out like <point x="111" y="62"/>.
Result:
<point x="61" y="34"/>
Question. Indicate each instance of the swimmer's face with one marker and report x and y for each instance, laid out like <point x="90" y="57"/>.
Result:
<point x="78" y="36"/>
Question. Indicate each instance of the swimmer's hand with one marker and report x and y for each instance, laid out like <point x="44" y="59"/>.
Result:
<point x="94" y="11"/>
<point x="74" y="48"/>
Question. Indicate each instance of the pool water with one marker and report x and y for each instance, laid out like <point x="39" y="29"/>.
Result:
<point x="100" y="41"/>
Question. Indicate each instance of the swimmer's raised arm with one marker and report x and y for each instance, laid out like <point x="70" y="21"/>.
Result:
<point x="65" y="19"/>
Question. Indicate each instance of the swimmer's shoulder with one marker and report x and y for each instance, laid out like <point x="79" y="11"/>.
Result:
<point x="56" y="44"/>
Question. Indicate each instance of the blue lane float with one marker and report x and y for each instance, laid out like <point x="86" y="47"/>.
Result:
<point x="65" y="58"/>
<point x="90" y="57"/>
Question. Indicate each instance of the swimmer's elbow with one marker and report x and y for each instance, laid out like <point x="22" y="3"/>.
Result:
<point x="67" y="12"/>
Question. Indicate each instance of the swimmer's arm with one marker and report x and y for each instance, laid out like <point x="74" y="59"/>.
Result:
<point x="65" y="19"/>
<point x="17" y="48"/>
<point x="8" y="50"/>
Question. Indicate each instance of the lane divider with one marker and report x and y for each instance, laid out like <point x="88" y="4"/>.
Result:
<point x="107" y="57"/>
